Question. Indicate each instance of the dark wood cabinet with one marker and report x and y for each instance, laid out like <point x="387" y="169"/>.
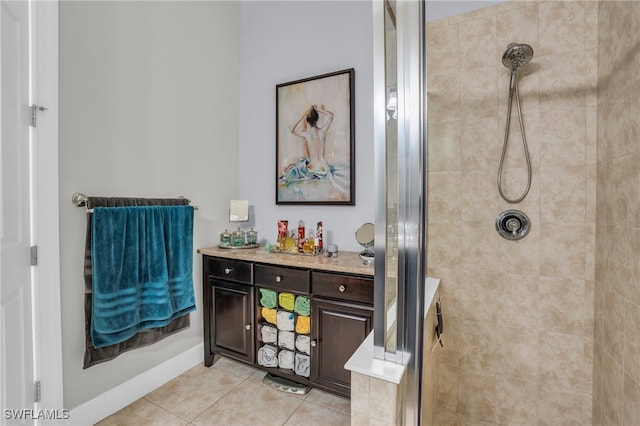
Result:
<point x="228" y="314"/>
<point x="232" y="322"/>
<point x="341" y="317"/>
<point x="343" y="287"/>
<point x="283" y="279"/>
<point x="338" y="329"/>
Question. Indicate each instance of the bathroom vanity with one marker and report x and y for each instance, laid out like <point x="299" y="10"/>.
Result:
<point x="337" y="294"/>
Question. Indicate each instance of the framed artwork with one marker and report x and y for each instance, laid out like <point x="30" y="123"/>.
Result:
<point x="315" y="140"/>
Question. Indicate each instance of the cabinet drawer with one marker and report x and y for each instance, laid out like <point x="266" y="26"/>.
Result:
<point x="343" y="287"/>
<point x="232" y="270"/>
<point x="283" y="278"/>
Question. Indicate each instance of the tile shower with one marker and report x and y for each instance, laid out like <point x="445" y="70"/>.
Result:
<point x="522" y="315"/>
<point x="616" y="364"/>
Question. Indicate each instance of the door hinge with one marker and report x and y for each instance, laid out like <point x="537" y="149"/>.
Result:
<point x="34" y="255"/>
<point x="34" y="113"/>
<point x="37" y="391"/>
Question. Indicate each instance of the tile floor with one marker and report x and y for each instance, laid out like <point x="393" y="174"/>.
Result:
<point x="230" y="393"/>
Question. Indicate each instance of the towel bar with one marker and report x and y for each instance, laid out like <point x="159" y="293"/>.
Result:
<point x="80" y="200"/>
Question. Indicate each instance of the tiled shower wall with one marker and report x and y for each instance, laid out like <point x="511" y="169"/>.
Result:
<point x="616" y="369"/>
<point x="519" y="315"/>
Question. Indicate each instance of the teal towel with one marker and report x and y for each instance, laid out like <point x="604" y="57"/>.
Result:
<point x="302" y="306"/>
<point x="142" y="269"/>
<point x="269" y="298"/>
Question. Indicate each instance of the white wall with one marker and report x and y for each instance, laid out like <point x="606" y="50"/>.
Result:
<point x="148" y="107"/>
<point x="286" y="41"/>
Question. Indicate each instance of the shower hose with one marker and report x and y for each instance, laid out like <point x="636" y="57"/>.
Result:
<point x="514" y="89"/>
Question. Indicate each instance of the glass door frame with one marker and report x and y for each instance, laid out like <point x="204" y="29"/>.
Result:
<point x="409" y="220"/>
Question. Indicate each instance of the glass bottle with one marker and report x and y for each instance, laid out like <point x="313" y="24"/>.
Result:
<point x="309" y="244"/>
<point x="290" y="243"/>
<point x="283" y="230"/>
<point x="300" y="236"/>
<point x="319" y="237"/>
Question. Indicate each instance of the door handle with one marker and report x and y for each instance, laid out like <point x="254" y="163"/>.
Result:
<point x="34" y="113"/>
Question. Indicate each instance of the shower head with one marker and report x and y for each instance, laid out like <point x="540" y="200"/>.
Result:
<point x="517" y="56"/>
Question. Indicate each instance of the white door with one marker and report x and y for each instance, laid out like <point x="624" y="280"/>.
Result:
<point x="16" y="323"/>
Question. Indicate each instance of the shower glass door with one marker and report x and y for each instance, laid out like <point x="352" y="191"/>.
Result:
<point x="400" y="164"/>
<point x="385" y="336"/>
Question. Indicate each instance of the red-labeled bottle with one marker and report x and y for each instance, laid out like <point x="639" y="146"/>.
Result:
<point x="319" y="237"/>
<point x="300" y="236"/>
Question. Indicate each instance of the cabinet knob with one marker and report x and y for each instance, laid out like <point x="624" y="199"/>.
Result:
<point x="278" y="278"/>
<point x="342" y="288"/>
<point x="228" y="270"/>
<point x="248" y="326"/>
<point x="314" y="343"/>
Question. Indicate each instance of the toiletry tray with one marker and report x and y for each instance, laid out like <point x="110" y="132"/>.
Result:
<point x="246" y="246"/>
<point x="320" y="253"/>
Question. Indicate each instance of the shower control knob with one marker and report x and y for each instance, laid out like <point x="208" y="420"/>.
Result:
<point x="512" y="225"/>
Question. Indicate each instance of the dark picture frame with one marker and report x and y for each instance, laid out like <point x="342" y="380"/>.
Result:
<point x="315" y="140"/>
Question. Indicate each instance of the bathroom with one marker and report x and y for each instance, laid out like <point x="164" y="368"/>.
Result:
<point x="527" y="338"/>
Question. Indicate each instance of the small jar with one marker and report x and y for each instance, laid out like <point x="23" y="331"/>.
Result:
<point x="238" y="238"/>
<point x="252" y="237"/>
<point x="225" y="238"/>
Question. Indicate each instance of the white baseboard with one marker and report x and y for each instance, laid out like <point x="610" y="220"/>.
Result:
<point x="122" y="395"/>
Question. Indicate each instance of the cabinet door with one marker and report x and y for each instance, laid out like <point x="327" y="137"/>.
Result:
<point x="338" y="330"/>
<point x="232" y="320"/>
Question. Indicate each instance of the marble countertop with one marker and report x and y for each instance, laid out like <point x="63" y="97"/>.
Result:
<point x="346" y="262"/>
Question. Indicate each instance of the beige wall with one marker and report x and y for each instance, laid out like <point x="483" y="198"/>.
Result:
<point x="430" y="365"/>
<point x="376" y="401"/>
<point x="616" y="372"/>
<point x="519" y="315"/>
<point x="148" y="108"/>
